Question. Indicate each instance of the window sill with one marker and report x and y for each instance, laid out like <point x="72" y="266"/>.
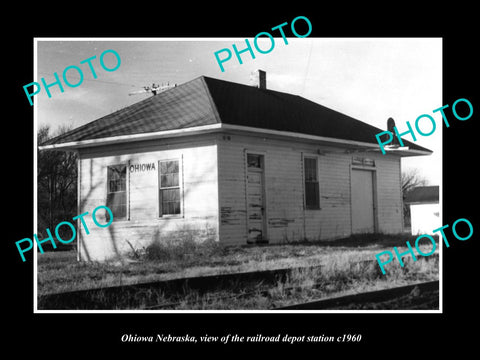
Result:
<point x="117" y="220"/>
<point x="167" y="217"/>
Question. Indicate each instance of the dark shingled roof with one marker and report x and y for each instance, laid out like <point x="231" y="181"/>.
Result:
<point x="206" y="101"/>
<point x="423" y="194"/>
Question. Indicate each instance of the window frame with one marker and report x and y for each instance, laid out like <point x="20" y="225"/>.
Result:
<point x="179" y="187"/>
<point x="127" y="190"/>
<point x="317" y="182"/>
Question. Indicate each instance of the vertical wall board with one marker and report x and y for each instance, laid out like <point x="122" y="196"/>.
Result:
<point x="198" y="220"/>
<point x="287" y="219"/>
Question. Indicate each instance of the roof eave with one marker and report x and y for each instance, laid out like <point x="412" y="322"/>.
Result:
<point x="405" y="151"/>
<point x="132" y="138"/>
<point x="228" y="127"/>
<point x="371" y="147"/>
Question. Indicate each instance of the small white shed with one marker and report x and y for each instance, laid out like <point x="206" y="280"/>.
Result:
<point x="424" y="209"/>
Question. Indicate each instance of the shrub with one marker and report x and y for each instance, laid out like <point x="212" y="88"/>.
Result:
<point x="183" y="245"/>
<point x="168" y="250"/>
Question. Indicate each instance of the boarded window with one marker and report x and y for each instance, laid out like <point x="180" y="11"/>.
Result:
<point x="117" y="191"/>
<point x="312" y="195"/>
<point x="169" y="188"/>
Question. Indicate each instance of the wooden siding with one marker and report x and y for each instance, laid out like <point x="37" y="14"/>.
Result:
<point x="389" y="194"/>
<point x="333" y="220"/>
<point x="214" y="203"/>
<point x="286" y="217"/>
<point x="199" y="218"/>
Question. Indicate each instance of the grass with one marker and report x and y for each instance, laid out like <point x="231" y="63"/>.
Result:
<point x="60" y="272"/>
<point x="337" y="278"/>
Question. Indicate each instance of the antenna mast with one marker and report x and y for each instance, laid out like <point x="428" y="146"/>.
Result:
<point x="154" y="89"/>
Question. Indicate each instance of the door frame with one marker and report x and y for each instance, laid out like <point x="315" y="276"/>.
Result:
<point x="264" y="194"/>
<point x="373" y="171"/>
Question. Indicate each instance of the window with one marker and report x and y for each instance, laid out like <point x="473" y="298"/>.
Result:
<point x="312" y="195"/>
<point x="169" y="188"/>
<point x="116" y="191"/>
<point x="254" y="161"/>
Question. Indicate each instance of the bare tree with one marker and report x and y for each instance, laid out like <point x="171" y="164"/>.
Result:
<point x="410" y="180"/>
<point x="56" y="184"/>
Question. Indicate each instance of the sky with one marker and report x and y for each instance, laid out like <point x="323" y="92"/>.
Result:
<point x="370" y="79"/>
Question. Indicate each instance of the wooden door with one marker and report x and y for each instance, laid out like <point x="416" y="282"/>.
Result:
<point x="363" y="210"/>
<point x="255" y="199"/>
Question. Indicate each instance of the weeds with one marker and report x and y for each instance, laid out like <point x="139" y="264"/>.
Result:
<point x="182" y="250"/>
<point x="303" y="285"/>
<point x="345" y="267"/>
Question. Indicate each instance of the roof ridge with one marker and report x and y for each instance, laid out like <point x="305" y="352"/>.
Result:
<point x="210" y="99"/>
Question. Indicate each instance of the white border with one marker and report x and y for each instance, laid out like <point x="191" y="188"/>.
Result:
<point x="275" y="312"/>
<point x="35" y="181"/>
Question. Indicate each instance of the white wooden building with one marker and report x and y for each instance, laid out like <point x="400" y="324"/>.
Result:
<point x="424" y="209"/>
<point x="242" y="164"/>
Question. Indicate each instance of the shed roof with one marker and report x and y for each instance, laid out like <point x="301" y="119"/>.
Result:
<point x="207" y="101"/>
<point x="423" y="195"/>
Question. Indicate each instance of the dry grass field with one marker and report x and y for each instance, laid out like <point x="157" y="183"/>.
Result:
<point x="344" y="270"/>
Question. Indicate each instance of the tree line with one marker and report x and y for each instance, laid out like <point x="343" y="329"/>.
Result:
<point x="56" y="184"/>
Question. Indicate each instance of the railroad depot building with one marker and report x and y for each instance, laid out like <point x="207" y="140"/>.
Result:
<point x="237" y="163"/>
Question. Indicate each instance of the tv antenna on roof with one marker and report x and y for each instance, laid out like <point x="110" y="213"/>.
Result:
<point x="154" y="89"/>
